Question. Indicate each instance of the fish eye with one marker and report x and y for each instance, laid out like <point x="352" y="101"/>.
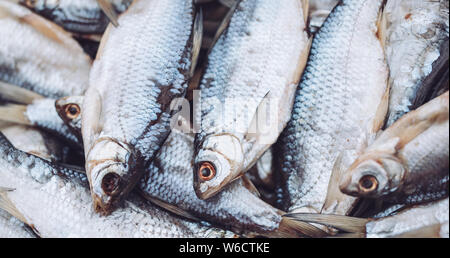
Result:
<point x="206" y="171"/>
<point x="72" y="111"/>
<point x="30" y="3"/>
<point x="368" y="183"/>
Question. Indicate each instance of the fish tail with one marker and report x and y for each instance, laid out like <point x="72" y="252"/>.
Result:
<point x="14" y="114"/>
<point x="17" y="94"/>
<point x="290" y="227"/>
<point x="341" y="222"/>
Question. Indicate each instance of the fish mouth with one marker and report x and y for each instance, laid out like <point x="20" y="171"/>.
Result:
<point x="107" y="187"/>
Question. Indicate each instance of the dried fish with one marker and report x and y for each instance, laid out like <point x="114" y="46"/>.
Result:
<point x="255" y="64"/>
<point x="409" y="161"/>
<point x="340" y="104"/>
<point x="127" y="112"/>
<point x="31" y="64"/>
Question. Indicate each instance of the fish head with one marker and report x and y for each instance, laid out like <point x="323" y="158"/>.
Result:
<point x="40" y="5"/>
<point x="108" y="167"/>
<point x="217" y="163"/>
<point x="372" y="176"/>
<point x="69" y="109"/>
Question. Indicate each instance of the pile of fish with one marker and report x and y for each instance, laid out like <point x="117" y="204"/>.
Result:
<point x="240" y="118"/>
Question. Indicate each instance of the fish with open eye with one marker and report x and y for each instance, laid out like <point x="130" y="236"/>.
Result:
<point x="340" y="104"/>
<point x="408" y="163"/>
<point x="55" y="202"/>
<point x="251" y="74"/>
<point x="142" y="66"/>
<point x="31" y="64"/>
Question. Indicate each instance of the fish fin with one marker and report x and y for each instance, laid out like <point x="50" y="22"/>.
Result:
<point x="349" y="235"/>
<point x="103" y="41"/>
<point x="223" y="25"/>
<point x="172" y="208"/>
<point x="228" y="3"/>
<point x="197" y="41"/>
<point x="109" y="11"/>
<point x="47" y="28"/>
<point x="301" y="64"/>
<point x="14" y="113"/>
<point x="335" y="199"/>
<point x="7" y="205"/>
<point x="382" y="26"/>
<point x="17" y="94"/>
<point x="345" y="223"/>
<point x="382" y="110"/>
<point x="305" y="8"/>
<point x="290" y="227"/>
<point x="247" y="183"/>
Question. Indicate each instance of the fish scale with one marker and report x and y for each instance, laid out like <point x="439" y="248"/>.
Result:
<point x="142" y="66"/>
<point x="61" y="207"/>
<point x="80" y="16"/>
<point x="408" y="162"/>
<point x="415" y="33"/>
<point x="335" y="106"/>
<point x="259" y="55"/>
<point x="31" y="64"/>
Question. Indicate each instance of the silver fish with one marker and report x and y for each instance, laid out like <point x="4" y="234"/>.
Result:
<point x="415" y="31"/>
<point x="57" y="206"/>
<point x="31" y="64"/>
<point x="429" y="220"/>
<point x="255" y="64"/>
<point x="426" y="220"/>
<point x="11" y="227"/>
<point x="167" y="182"/>
<point x="127" y="112"/>
<point x="409" y="161"/>
<point x="80" y="16"/>
<point x="340" y="104"/>
<point x="41" y="113"/>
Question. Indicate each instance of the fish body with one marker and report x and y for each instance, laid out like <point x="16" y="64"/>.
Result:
<point x="408" y="163"/>
<point x="132" y="84"/>
<point x="257" y="60"/>
<point x="79" y="16"/>
<point x="415" y="32"/>
<point x="428" y="220"/>
<point x="56" y="203"/>
<point x="169" y="178"/>
<point x="340" y="103"/>
<point x="43" y="46"/>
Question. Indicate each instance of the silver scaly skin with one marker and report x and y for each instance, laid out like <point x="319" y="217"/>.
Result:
<point x="408" y="163"/>
<point x="258" y="59"/>
<point x="43" y="46"/>
<point x="56" y="202"/>
<point x="11" y="227"/>
<point x="79" y="16"/>
<point x="169" y="178"/>
<point x="428" y="220"/>
<point x="142" y="66"/>
<point x="415" y="31"/>
<point x="339" y="105"/>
